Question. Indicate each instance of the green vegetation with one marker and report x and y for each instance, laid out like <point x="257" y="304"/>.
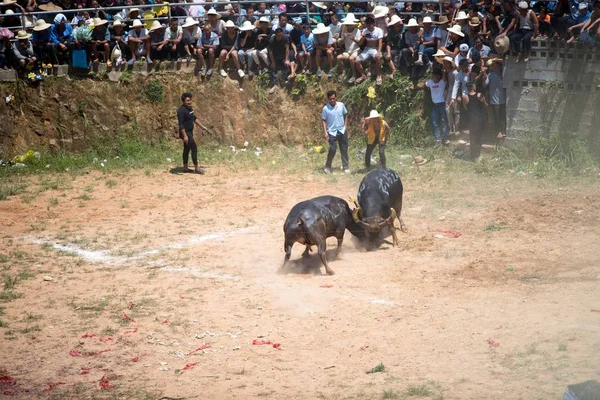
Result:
<point x="418" y="391"/>
<point x="153" y="92"/>
<point x="378" y="368"/>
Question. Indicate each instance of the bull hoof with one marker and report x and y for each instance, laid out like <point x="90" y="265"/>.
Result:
<point x="329" y="272"/>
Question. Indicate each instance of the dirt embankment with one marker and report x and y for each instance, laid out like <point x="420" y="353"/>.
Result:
<point x="69" y="115"/>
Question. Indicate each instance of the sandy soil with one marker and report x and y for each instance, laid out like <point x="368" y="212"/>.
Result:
<point x="148" y="268"/>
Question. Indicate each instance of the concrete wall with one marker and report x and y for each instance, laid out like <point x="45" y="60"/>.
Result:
<point x="557" y="90"/>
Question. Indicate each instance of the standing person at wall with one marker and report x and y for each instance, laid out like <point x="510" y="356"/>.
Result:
<point x="187" y="119"/>
<point x="476" y="116"/>
<point x="497" y="97"/>
<point x="335" y="128"/>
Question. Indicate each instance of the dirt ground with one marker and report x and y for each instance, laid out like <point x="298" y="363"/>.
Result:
<point x="161" y="283"/>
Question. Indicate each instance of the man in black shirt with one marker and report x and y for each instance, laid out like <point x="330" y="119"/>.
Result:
<point x="394" y="43"/>
<point x="279" y="53"/>
<point x="187" y="119"/>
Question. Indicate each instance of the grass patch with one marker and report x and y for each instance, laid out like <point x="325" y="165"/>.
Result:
<point x="30" y="329"/>
<point x="493" y="227"/>
<point x="7" y="191"/>
<point x="53" y="201"/>
<point x="108" y="331"/>
<point x="390" y="395"/>
<point x="91" y="309"/>
<point x="378" y="368"/>
<point x="418" y="391"/>
<point x="3" y="324"/>
<point x="84" y="196"/>
<point x="111" y="183"/>
<point x="562" y="347"/>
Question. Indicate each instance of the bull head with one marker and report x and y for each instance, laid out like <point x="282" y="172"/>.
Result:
<point x="376" y="225"/>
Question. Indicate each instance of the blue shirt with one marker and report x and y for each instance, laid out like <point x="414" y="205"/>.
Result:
<point x="67" y="34"/>
<point x="308" y="42"/>
<point x="583" y="18"/>
<point x="40" y="37"/>
<point x="334" y="117"/>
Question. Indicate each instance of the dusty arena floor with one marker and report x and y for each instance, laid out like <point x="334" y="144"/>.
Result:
<point x="153" y="285"/>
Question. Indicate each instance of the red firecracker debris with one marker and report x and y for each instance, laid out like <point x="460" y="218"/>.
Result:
<point x="261" y="342"/>
<point x="130" y="332"/>
<point x="88" y="335"/>
<point x="136" y="359"/>
<point x="127" y="317"/>
<point x="189" y="366"/>
<point x="7" y="382"/>
<point x="74" y="353"/>
<point x="493" y="343"/>
<point x="105" y="383"/>
<point x="199" y="349"/>
<point x="449" y="233"/>
<point x="105" y="339"/>
<point x="499" y="327"/>
<point x="95" y="353"/>
<point x="166" y="321"/>
<point x="181" y="296"/>
<point x="277" y="346"/>
<point x="52" y="385"/>
<point x="326" y="285"/>
<point x="85" y="371"/>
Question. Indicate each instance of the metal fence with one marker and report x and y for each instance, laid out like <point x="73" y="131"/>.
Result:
<point x="149" y="7"/>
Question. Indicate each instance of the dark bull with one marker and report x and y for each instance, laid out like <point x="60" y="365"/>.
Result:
<point x="311" y="222"/>
<point x="379" y="203"/>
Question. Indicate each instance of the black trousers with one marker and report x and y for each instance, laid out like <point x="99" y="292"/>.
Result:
<point x="499" y="114"/>
<point x="190" y="146"/>
<point x="370" y="148"/>
<point x="475" y="135"/>
<point x="342" y="139"/>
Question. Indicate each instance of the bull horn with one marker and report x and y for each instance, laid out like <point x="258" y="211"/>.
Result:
<point x="390" y="219"/>
<point x="352" y="200"/>
<point x="355" y="215"/>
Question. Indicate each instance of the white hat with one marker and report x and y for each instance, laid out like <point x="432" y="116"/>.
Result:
<point x="450" y="60"/>
<point x="118" y="23"/>
<point x="380" y="11"/>
<point x="41" y="25"/>
<point x="412" y="23"/>
<point x="265" y="19"/>
<point x="439" y="53"/>
<point x="230" y="24"/>
<point x="427" y="20"/>
<point x="21" y="35"/>
<point x="247" y="26"/>
<point x="461" y="16"/>
<point x="463" y="47"/>
<point x="583" y="6"/>
<point x="320" y="4"/>
<point x="350" y="20"/>
<point x="131" y="10"/>
<point x="189" y="21"/>
<point x="395" y="19"/>
<point x="212" y="11"/>
<point x="116" y="53"/>
<point x="523" y="5"/>
<point x="373" y="114"/>
<point x="136" y="23"/>
<point x="155" y="25"/>
<point x="7" y="3"/>
<point x="97" y="22"/>
<point x="457" y="30"/>
<point x="321" y="28"/>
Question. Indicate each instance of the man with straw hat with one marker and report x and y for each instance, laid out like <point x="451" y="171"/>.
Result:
<point x="118" y="41"/>
<point x="158" y="43"/>
<point x="372" y="37"/>
<point x="191" y="34"/>
<point x="441" y="31"/>
<point x="412" y="39"/>
<point x="350" y="38"/>
<point x="380" y="14"/>
<point x="497" y="97"/>
<point x="100" y="41"/>
<point x="247" y="42"/>
<point x="378" y="133"/>
<point x="323" y="45"/>
<point x="23" y="52"/>
<point x="139" y="42"/>
<point x="214" y="19"/>
<point x="229" y="46"/>
<point x="455" y="39"/>
<point x="263" y="34"/>
<point x="394" y="43"/>
<point x="43" y="45"/>
<point x="427" y="46"/>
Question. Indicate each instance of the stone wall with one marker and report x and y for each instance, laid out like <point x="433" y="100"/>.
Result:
<point x="557" y="90"/>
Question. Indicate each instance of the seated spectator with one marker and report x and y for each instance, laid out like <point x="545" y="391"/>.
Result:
<point x="5" y="48"/>
<point x="207" y="46"/>
<point x="247" y="42"/>
<point x="462" y="20"/>
<point x="295" y="46"/>
<point x="544" y="22"/>
<point x="351" y="37"/>
<point x="118" y="37"/>
<point x="380" y="14"/>
<point x="492" y="21"/>
<point x="455" y="39"/>
<point x="279" y="52"/>
<point x="427" y="47"/>
<point x="474" y="31"/>
<point x="263" y="35"/>
<point x="214" y="19"/>
<point x="479" y="49"/>
<point x="139" y="42"/>
<point x="173" y="36"/>
<point x="23" y="52"/>
<point x="42" y="44"/>
<point x="394" y="43"/>
<point x="229" y="46"/>
<point x="78" y="17"/>
<point x="61" y="36"/>
<point x="561" y="23"/>
<point x="335" y="27"/>
<point x="412" y="41"/>
<point x="262" y="10"/>
<point x="308" y="48"/>
<point x="582" y="17"/>
<point x="522" y="29"/>
<point x="441" y="32"/>
<point x="158" y="42"/>
<point x="100" y="41"/>
<point x="372" y="37"/>
<point x="323" y="46"/>
<point x="282" y="22"/>
<point x="191" y="34"/>
<point x="591" y="30"/>
<point x="497" y="97"/>
<point x="463" y="53"/>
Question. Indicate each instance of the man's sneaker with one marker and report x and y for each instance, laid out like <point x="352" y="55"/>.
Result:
<point x="419" y="62"/>
<point x="346" y="171"/>
<point x="241" y="73"/>
<point x="327" y="170"/>
<point x="250" y="73"/>
<point x="526" y="59"/>
<point x="319" y="72"/>
<point x="209" y="72"/>
<point x="203" y="71"/>
<point x="438" y="142"/>
<point x="330" y="74"/>
<point x="199" y="171"/>
<point x="273" y="89"/>
<point x="223" y="73"/>
<point x="351" y="80"/>
<point x="446" y="142"/>
<point x="188" y="58"/>
<point x="130" y="62"/>
<point x="149" y="61"/>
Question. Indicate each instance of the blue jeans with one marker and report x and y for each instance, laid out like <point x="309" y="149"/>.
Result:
<point x="438" y="117"/>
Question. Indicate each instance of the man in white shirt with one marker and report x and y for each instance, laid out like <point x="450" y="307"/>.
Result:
<point x="336" y="29"/>
<point x="437" y="87"/>
<point x="373" y="37"/>
<point x="139" y="41"/>
<point x="351" y="36"/>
